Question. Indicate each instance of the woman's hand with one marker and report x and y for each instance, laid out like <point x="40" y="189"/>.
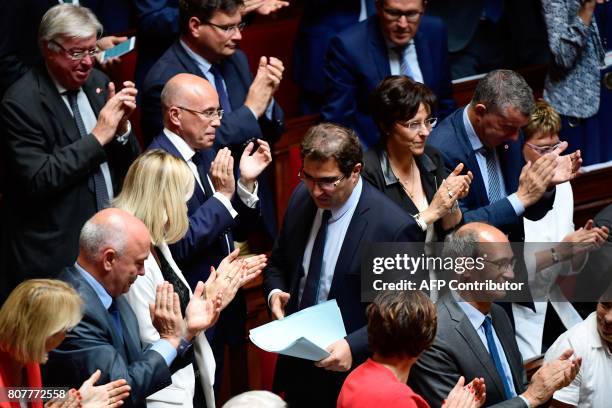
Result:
<point x="465" y="396"/>
<point x="109" y="395"/>
<point x="454" y="187"/>
<point x="583" y="240"/>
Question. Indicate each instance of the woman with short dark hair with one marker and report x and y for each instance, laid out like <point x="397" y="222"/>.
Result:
<point x="401" y="325"/>
<point x="403" y="167"/>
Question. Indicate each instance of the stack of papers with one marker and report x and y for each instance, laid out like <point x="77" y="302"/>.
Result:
<point x="305" y="334"/>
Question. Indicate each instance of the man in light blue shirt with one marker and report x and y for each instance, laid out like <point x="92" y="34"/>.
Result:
<point x="113" y="248"/>
<point x="474" y="336"/>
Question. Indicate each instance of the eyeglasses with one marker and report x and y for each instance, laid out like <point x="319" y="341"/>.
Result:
<point x="416" y="125"/>
<point x="209" y="114"/>
<point x="227" y="29"/>
<point x="77" y="55"/>
<point x="324" y="183"/>
<point x="543" y="149"/>
<point x="503" y="263"/>
<point x="412" y="16"/>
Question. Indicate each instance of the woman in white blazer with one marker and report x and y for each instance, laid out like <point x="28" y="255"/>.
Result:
<point x="155" y="190"/>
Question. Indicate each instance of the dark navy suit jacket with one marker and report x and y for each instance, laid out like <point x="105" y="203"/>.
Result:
<point x="95" y="344"/>
<point x="357" y="60"/>
<point x="376" y="219"/>
<point x="204" y="244"/>
<point x="451" y="139"/>
<point x="236" y="127"/>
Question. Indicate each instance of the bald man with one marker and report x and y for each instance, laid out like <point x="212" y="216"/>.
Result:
<point x="220" y="209"/>
<point x="113" y="246"/>
<point x="474" y="336"/>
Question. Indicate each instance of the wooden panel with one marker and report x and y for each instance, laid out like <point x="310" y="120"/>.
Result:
<point x="592" y="193"/>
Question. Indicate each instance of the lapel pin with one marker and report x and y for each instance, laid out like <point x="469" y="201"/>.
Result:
<point x="506" y="147"/>
<point x="98" y="90"/>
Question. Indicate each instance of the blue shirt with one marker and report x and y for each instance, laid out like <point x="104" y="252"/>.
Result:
<point x="204" y="66"/>
<point x="477" y="147"/>
<point x="163" y="347"/>
<point x="336" y="230"/>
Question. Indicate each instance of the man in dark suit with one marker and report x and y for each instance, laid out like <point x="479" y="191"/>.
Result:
<point x="220" y="208"/>
<point x="68" y="145"/>
<point x="474" y="336"/>
<point x="19" y="21"/>
<point x="396" y="41"/>
<point x="113" y="248"/>
<point x="320" y="21"/>
<point x="210" y="34"/>
<point x="332" y="216"/>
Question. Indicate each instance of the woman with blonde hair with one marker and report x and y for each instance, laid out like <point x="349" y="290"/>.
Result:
<point x="156" y="189"/>
<point x="33" y="321"/>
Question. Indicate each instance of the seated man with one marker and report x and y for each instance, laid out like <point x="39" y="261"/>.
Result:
<point x="331" y="218"/>
<point x="591" y="340"/>
<point x="397" y="40"/>
<point x="474" y="336"/>
<point x="113" y="248"/>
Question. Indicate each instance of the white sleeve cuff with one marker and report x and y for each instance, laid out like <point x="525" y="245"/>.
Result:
<point x="272" y="292"/>
<point x="226" y="203"/>
<point x="248" y="198"/>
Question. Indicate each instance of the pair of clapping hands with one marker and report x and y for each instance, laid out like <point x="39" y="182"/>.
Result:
<point x="110" y="395"/>
<point x="207" y="301"/>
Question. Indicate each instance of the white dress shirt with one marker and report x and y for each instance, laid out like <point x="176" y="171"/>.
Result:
<point x="410" y="55"/>
<point x="591" y="387"/>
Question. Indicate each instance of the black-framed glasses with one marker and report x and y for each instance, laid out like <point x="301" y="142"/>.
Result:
<point x="209" y="114"/>
<point x="503" y="263"/>
<point x="412" y="16"/>
<point x="428" y="123"/>
<point x="77" y="55"/>
<point x="324" y="183"/>
<point x="543" y="149"/>
<point x="228" y="29"/>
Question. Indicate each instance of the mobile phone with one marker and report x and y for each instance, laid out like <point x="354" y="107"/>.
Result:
<point x="119" y="49"/>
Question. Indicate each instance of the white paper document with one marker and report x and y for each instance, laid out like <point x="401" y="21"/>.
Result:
<point x="304" y="334"/>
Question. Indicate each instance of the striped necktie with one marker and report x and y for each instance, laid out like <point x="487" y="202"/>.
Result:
<point x="402" y="55"/>
<point x="495" y="188"/>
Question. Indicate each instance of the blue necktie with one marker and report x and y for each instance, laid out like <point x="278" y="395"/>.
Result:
<point x="223" y="98"/>
<point x="495" y="188"/>
<point x="99" y="184"/>
<point x="493" y="10"/>
<point x="116" y="316"/>
<point x="310" y="294"/>
<point x="402" y="54"/>
<point x="488" y="327"/>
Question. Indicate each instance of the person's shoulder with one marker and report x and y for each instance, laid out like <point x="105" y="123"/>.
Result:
<point x="25" y="89"/>
<point x="355" y="35"/>
<point x="432" y="23"/>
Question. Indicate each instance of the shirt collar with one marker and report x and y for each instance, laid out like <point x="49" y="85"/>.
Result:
<point x="202" y="63"/>
<point x="184" y="149"/>
<point x="387" y="171"/>
<point x="351" y="203"/>
<point x="60" y="88"/>
<point x="393" y="47"/>
<point x="475" y="316"/>
<point x="471" y="133"/>
<point x="103" y="295"/>
<point x="594" y="339"/>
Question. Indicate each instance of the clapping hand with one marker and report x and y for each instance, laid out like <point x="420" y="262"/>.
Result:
<point x="251" y="165"/>
<point x="201" y="312"/>
<point x="109" y="395"/>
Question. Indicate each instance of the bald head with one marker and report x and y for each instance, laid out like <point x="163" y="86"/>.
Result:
<point x="184" y="99"/>
<point x="483" y="233"/>
<point x="113" y="247"/>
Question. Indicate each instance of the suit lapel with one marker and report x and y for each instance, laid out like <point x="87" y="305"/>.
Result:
<point x="378" y="49"/>
<point x="52" y="100"/>
<point x="130" y="332"/>
<point x="233" y="83"/>
<point x="187" y="62"/>
<point x="465" y="329"/>
<point x="424" y="58"/>
<point x="96" y="96"/>
<point x="302" y="232"/>
<point x="506" y="340"/>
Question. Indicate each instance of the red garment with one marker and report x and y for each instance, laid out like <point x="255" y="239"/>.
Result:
<point x="33" y="379"/>
<point x="374" y="385"/>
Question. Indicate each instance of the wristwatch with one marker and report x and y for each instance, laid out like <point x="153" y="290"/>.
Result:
<point x="420" y="222"/>
<point x="554" y="255"/>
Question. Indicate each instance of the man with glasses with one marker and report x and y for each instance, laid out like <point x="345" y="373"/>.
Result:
<point x="67" y="144"/>
<point x="210" y="32"/>
<point x="474" y="337"/>
<point x="398" y="40"/>
<point x="220" y="209"/>
<point x="332" y="216"/>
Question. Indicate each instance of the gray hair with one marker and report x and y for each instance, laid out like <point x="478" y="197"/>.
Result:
<point x="461" y="244"/>
<point x="67" y="20"/>
<point x="96" y="236"/>
<point x="504" y="88"/>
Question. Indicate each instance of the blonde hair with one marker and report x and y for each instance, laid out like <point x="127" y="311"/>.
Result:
<point x="544" y="119"/>
<point x="156" y="189"/>
<point x="33" y="312"/>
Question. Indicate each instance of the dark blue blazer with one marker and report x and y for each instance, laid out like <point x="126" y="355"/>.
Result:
<point x="376" y="219"/>
<point x="94" y="344"/>
<point x="204" y="244"/>
<point x="320" y="21"/>
<point x="357" y="60"/>
<point x="237" y="126"/>
<point x="450" y="137"/>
